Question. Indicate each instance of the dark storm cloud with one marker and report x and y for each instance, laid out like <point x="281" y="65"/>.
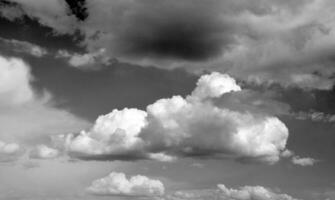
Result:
<point x="175" y="32"/>
<point x="6" y="3"/>
<point x="78" y="8"/>
<point x="188" y="30"/>
<point x="284" y="42"/>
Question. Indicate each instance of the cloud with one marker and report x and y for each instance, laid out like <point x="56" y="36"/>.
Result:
<point x="44" y="152"/>
<point x="176" y="127"/>
<point x="173" y="30"/>
<point x="85" y="61"/>
<point x="223" y="193"/>
<point x="162" y="157"/>
<point x="29" y="117"/>
<point x="297" y="160"/>
<point x="303" y="161"/>
<point x="14" y="82"/>
<point x="9" y="151"/>
<point x="24" y="47"/>
<point x="117" y="184"/>
<point x="252" y="192"/>
<point x="257" y="41"/>
<point x="214" y="85"/>
<point x="54" y="14"/>
<point x="78" y="8"/>
<point x="10" y="11"/>
<point x="314" y="116"/>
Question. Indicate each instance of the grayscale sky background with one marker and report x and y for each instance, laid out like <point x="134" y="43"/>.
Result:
<point x="203" y="99"/>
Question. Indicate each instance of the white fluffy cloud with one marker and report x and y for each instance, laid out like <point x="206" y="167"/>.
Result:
<point x="14" y="82"/>
<point x="191" y="126"/>
<point x="224" y="193"/>
<point x="214" y="85"/>
<point x="117" y="184"/>
<point x="115" y="133"/>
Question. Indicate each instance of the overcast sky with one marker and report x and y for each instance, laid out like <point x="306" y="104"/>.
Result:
<point x="167" y="99"/>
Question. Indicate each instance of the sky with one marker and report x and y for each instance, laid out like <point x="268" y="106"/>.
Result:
<point x="167" y="100"/>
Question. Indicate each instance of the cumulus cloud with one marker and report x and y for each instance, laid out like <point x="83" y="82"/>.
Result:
<point x="303" y="161"/>
<point x="176" y="127"/>
<point x="259" y="41"/>
<point x="9" y="151"/>
<point x="297" y="160"/>
<point x="23" y="47"/>
<point x="223" y="193"/>
<point x="117" y="184"/>
<point x="215" y="85"/>
<point x="28" y="117"/>
<point x="44" y="152"/>
<point x="114" y="133"/>
<point x="15" y="82"/>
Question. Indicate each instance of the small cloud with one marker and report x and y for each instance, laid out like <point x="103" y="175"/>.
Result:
<point x="87" y="60"/>
<point x="314" y="116"/>
<point x="24" y="47"/>
<point x="9" y="151"/>
<point x="297" y="160"/>
<point x="162" y="157"/>
<point x="287" y="153"/>
<point x="117" y="184"/>
<point x="303" y="161"/>
<point x="198" y="165"/>
<point x="44" y="152"/>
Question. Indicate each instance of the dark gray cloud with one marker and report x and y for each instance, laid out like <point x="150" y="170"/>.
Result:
<point x="283" y="42"/>
<point x="30" y="30"/>
<point x="172" y="31"/>
<point x="78" y="8"/>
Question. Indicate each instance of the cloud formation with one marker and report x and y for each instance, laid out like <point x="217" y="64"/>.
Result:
<point x="85" y="61"/>
<point x="303" y="161"/>
<point x="15" y="80"/>
<point x="23" y="46"/>
<point x="258" y="41"/>
<point x="117" y="184"/>
<point x="176" y="127"/>
<point x="28" y="117"/>
<point x="224" y="193"/>
<point x="9" y="151"/>
<point x="315" y="116"/>
<point x="44" y="152"/>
